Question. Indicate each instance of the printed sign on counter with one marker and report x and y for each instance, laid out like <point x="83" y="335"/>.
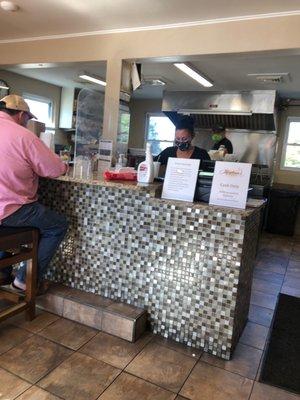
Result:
<point x="105" y="154"/>
<point x="180" y="179"/>
<point x="230" y="184"/>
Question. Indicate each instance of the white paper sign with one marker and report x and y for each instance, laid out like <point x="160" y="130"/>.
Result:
<point x="180" y="179"/>
<point x="230" y="184"/>
<point x="105" y="155"/>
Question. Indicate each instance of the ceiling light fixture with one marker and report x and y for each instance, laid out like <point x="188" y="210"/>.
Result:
<point x="193" y="73"/>
<point x="93" y="79"/>
<point x="9" y="6"/>
<point x="4" y="87"/>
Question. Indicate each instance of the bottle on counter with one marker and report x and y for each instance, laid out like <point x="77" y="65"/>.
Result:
<point x="222" y="150"/>
<point x="146" y="168"/>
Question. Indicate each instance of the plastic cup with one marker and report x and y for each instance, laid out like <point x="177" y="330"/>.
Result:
<point x="156" y="168"/>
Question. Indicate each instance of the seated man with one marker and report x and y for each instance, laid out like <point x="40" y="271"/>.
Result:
<point x="23" y="158"/>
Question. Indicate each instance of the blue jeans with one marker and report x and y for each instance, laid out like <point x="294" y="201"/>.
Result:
<point x="52" y="229"/>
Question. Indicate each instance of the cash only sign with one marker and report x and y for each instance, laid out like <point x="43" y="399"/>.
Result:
<point x="230" y="184"/>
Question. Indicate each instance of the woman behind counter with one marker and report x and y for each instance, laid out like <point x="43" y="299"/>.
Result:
<point x="183" y="147"/>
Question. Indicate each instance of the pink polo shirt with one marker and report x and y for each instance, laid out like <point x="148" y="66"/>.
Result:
<point x="23" y="158"/>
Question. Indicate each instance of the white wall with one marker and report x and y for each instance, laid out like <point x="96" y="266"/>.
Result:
<point x="20" y="84"/>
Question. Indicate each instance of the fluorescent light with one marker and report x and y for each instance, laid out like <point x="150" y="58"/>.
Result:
<point x="4" y="87"/>
<point x="92" y="79"/>
<point x="190" y="71"/>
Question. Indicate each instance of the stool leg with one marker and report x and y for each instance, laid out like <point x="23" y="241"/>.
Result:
<point x="31" y="280"/>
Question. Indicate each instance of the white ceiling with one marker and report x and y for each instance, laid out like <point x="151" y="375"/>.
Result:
<point x="64" y="75"/>
<point x="57" y="17"/>
<point x="228" y="72"/>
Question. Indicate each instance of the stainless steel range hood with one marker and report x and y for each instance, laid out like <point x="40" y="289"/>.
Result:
<point x="251" y="110"/>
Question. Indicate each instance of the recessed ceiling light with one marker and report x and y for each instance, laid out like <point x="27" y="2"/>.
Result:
<point x="194" y="74"/>
<point x="9" y="6"/>
<point x="93" y="79"/>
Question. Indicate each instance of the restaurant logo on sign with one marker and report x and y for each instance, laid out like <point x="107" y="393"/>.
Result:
<point x="231" y="172"/>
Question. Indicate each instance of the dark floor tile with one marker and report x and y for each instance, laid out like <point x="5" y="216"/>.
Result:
<point x="68" y="333"/>
<point x="10" y="336"/>
<point x="40" y="322"/>
<point x="268" y="276"/>
<point x="263" y="299"/>
<point x="181" y="348"/>
<point x="113" y="350"/>
<point x="266" y="287"/>
<point x="35" y="357"/>
<point x="207" y="382"/>
<point x="266" y="392"/>
<point x="11" y="386"/>
<point x="79" y="378"/>
<point x="260" y="315"/>
<point x="245" y="361"/>
<point x="128" y="387"/>
<point x="36" y="393"/>
<point x="254" y="335"/>
<point x="162" y="366"/>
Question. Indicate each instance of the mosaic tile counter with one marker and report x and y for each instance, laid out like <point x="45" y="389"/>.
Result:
<point x="189" y="266"/>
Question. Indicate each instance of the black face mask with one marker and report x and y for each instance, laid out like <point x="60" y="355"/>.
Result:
<point x="182" y="146"/>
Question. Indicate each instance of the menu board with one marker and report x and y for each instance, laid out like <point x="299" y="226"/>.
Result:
<point x="180" y="179"/>
<point x="230" y="184"/>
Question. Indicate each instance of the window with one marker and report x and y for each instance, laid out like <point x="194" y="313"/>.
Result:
<point x="41" y="107"/>
<point x="291" y="147"/>
<point x="160" y="132"/>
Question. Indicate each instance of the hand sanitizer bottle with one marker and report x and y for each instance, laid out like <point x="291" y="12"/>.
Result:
<point x="146" y="168"/>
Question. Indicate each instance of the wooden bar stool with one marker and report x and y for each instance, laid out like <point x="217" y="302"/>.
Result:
<point x="16" y="239"/>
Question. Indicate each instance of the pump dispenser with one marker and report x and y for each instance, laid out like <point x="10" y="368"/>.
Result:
<point x="146" y="168"/>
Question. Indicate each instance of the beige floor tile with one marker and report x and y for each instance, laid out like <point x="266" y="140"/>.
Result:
<point x="128" y="387"/>
<point x="11" y="386"/>
<point x="268" y="276"/>
<point x="291" y="281"/>
<point x="254" y="335"/>
<point x="68" y="333"/>
<point x="180" y="398"/>
<point x="291" y="291"/>
<point x="11" y="336"/>
<point x="35" y="357"/>
<point x="207" y="382"/>
<point x="162" y="366"/>
<point x="42" y="319"/>
<point x="260" y="315"/>
<point x="266" y="287"/>
<point x="113" y="350"/>
<point x="263" y="299"/>
<point x="245" y="361"/>
<point x="181" y="348"/>
<point x="79" y="378"/>
<point x="36" y="393"/>
<point x="266" y="392"/>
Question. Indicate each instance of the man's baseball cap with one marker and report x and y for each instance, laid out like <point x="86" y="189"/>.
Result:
<point x="218" y="128"/>
<point x="17" y="103"/>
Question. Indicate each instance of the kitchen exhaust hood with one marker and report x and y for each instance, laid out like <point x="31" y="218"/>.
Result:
<point x="251" y="110"/>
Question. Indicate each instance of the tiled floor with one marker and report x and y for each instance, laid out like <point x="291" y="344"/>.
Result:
<point x="52" y="358"/>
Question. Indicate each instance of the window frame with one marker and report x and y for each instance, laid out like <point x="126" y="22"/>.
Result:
<point x="285" y="144"/>
<point x="155" y="114"/>
<point x="41" y="99"/>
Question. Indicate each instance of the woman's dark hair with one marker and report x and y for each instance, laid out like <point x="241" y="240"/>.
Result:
<point x="186" y="122"/>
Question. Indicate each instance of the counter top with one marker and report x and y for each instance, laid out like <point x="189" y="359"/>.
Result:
<point x="154" y="189"/>
<point x="286" y="187"/>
